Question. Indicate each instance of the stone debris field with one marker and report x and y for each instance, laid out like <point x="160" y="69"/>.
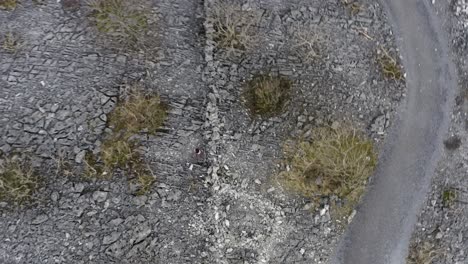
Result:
<point x="160" y="131"/>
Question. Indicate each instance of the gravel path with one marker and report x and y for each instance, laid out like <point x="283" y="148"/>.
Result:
<point x="442" y="226"/>
<point x="382" y="228"/>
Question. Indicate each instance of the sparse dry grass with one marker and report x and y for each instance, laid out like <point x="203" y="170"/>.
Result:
<point x="235" y="29"/>
<point x="93" y="169"/>
<point x="17" y="181"/>
<point x="11" y="42"/>
<point x="134" y="114"/>
<point x="354" y="6"/>
<point x="266" y="95"/>
<point x="8" y="4"/>
<point x="119" y="153"/>
<point x="138" y="112"/>
<point x="123" y="20"/>
<point x="144" y="180"/>
<point x="390" y="67"/>
<point x="424" y="253"/>
<point x="306" y="43"/>
<point x="62" y="165"/>
<point x="335" y="162"/>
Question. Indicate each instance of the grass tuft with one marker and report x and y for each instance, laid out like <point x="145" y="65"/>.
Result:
<point x="266" y="95"/>
<point x="93" y="169"/>
<point x="119" y="153"/>
<point x="306" y="43"/>
<point x="123" y="20"/>
<point x="144" y="180"/>
<point x="17" y="181"/>
<point x="138" y="112"/>
<point x="391" y="69"/>
<point x="449" y="197"/>
<point x="8" y="4"/>
<point x="11" y="42"/>
<point x="424" y="253"/>
<point x="335" y="162"/>
<point x="354" y="6"/>
<point x="234" y="28"/>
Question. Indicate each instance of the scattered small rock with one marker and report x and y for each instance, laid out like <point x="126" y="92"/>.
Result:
<point x="80" y="156"/>
<point x="111" y="238"/>
<point x="144" y="232"/>
<point x="99" y="196"/>
<point x="40" y="219"/>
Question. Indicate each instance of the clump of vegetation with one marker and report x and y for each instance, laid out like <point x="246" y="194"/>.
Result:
<point x="138" y="112"/>
<point x="62" y="164"/>
<point x="389" y="65"/>
<point x="144" y="180"/>
<point x="124" y="20"/>
<point x="424" y="253"/>
<point x="234" y="28"/>
<point x="266" y="95"/>
<point x="306" y="43"/>
<point x="134" y="114"/>
<point x="11" y="42"/>
<point x="8" y="4"/>
<point x="353" y="6"/>
<point x="335" y="162"/>
<point x="449" y="196"/>
<point x="119" y="153"/>
<point x="93" y="169"/>
<point x="17" y="181"/>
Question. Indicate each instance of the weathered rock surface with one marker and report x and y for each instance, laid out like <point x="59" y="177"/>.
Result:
<point x="214" y="200"/>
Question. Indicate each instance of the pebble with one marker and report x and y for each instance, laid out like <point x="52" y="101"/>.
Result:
<point x="111" y="238"/>
<point x="116" y="221"/>
<point x="99" y="196"/>
<point x="140" y="236"/>
<point x="80" y="156"/>
<point x="40" y="219"/>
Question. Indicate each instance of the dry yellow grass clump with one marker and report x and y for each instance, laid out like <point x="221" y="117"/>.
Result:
<point x="17" y="181"/>
<point x="423" y="253"/>
<point x="334" y="162"/>
<point x="307" y="43"/>
<point x="235" y="29"/>
<point x="8" y="4"/>
<point x="136" y="113"/>
<point x="124" y="20"/>
<point x="391" y="69"/>
<point x="11" y="42"/>
<point x="266" y="95"/>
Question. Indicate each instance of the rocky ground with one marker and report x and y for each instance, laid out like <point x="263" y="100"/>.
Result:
<point x="441" y="235"/>
<point x="220" y="206"/>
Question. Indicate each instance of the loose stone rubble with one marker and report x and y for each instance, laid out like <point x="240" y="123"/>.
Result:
<point x="215" y="199"/>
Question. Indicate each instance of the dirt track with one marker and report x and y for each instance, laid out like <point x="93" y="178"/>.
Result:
<point x="382" y="228"/>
